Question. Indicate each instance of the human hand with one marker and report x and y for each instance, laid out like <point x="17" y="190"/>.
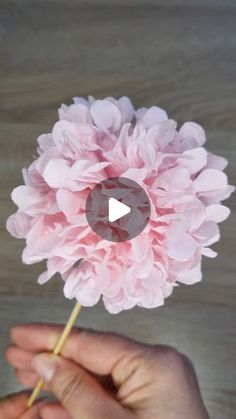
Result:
<point x="15" y="406"/>
<point x="103" y="375"/>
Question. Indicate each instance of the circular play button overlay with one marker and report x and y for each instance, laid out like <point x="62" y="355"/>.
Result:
<point x="118" y="209"/>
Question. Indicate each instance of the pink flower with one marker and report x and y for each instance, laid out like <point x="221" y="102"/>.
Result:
<point x="97" y="139"/>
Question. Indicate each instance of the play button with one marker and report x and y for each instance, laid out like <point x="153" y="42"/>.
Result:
<point x="118" y="209"/>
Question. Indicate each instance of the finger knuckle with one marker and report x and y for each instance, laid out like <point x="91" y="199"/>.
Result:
<point x="168" y="359"/>
<point x="188" y="366"/>
<point x="70" y="388"/>
<point x="172" y="356"/>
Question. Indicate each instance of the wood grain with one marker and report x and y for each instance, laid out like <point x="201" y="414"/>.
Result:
<point x="177" y="54"/>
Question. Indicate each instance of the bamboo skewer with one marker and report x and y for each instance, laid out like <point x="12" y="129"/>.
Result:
<point x="57" y="350"/>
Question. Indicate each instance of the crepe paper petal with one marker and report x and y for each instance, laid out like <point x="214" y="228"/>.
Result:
<point x="208" y="233"/>
<point x="56" y="173"/>
<point x="196" y="159"/>
<point x="152" y="116"/>
<point x="126" y="108"/>
<point x="190" y="276"/>
<point x="210" y="180"/>
<point x="25" y="196"/>
<point x="192" y="130"/>
<point x="182" y="250"/>
<point x="19" y="224"/>
<point x="106" y="115"/>
<point x="217" y="213"/>
<point x="162" y="134"/>
<point x="98" y="139"/>
<point x="176" y="178"/>
<point x="75" y="113"/>
<point x="216" y="162"/>
<point x="45" y="142"/>
<point x="87" y="171"/>
<point x="43" y="278"/>
<point x="206" y="251"/>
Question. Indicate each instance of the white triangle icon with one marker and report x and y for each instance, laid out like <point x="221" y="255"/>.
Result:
<point x="116" y="210"/>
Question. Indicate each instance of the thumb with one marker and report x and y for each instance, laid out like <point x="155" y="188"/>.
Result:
<point x="79" y="392"/>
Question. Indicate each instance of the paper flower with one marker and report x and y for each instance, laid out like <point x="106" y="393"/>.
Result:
<point x="97" y="139"/>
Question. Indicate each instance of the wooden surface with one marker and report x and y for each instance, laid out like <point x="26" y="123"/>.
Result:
<point x="177" y="54"/>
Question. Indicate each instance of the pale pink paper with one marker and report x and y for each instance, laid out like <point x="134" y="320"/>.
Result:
<point x="96" y="139"/>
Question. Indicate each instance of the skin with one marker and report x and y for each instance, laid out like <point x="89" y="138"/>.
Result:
<point x="102" y="376"/>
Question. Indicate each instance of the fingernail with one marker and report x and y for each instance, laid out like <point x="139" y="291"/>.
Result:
<point x="45" y="366"/>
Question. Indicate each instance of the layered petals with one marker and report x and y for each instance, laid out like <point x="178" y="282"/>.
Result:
<point x="97" y="139"/>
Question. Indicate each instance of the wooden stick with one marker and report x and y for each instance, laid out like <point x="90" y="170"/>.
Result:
<point x="57" y="350"/>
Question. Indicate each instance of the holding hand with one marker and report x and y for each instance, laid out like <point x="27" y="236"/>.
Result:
<point x="101" y="376"/>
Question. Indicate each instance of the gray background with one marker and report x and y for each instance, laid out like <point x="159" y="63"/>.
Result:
<point x="177" y="54"/>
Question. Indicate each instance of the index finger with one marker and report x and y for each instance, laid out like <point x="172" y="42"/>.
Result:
<point x="98" y="352"/>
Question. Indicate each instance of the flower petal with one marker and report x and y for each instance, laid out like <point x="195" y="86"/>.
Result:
<point x="56" y="173"/>
<point x="177" y="178"/>
<point x="210" y="180"/>
<point x="106" y="115"/>
<point x="182" y="250"/>
<point x="192" y="130"/>
<point x="190" y="276"/>
<point x="196" y="159"/>
<point x="18" y="225"/>
<point x="217" y="213"/>
<point x="127" y="109"/>
<point x="208" y="233"/>
<point x="152" y="116"/>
